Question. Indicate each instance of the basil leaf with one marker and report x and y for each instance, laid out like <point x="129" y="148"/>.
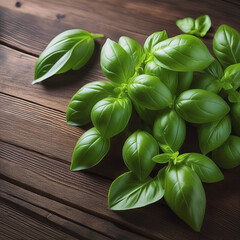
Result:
<point x="201" y="106"/>
<point x="233" y="96"/>
<point x="185" y="195"/>
<point x="207" y="82"/>
<point x="127" y="192"/>
<point x="169" y="78"/>
<point x="89" y="150"/>
<point x="150" y="92"/>
<point x="235" y="116"/>
<point x="187" y="25"/>
<point x="203" y="166"/>
<point x="116" y="63"/>
<point x="212" y="135"/>
<point x="133" y="48"/>
<point x="162" y="158"/>
<point x="232" y="75"/>
<point x="183" y="53"/>
<point x="81" y="104"/>
<point x="226" y="45"/>
<point x="138" y="151"/>
<point x="154" y="39"/>
<point x="184" y="81"/>
<point x="69" y="50"/>
<point x="214" y="69"/>
<point x="111" y="115"/>
<point x="169" y="130"/>
<point x="227" y="156"/>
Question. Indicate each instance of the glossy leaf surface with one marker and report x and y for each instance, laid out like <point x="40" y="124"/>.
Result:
<point x="154" y="39"/>
<point x="184" y="81"/>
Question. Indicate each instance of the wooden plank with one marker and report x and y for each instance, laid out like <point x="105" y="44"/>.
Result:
<point x="89" y="193"/>
<point x="17" y="225"/>
<point x="69" y="218"/>
<point x="135" y="19"/>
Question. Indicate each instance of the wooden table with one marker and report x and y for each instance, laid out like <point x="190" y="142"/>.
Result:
<point x="40" y="197"/>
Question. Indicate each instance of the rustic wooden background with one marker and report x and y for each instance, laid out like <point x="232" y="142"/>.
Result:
<point x="39" y="197"/>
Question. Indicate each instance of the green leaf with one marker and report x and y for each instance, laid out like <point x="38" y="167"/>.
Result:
<point x="183" y="53"/>
<point x="169" y="130"/>
<point x="69" y="50"/>
<point x="163" y="158"/>
<point x="228" y="155"/>
<point x="203" y="166"/>
<point x="214" y="69"/>
<point x="168" y="77"/>
<point x="232" y="76"/>
<point x="111" y="115"/>
<point x="154" y="39"/>
<point x="133" y="48"/>
<point x="226" y="45"/>
<point x="233" y="96"/>
<point x="201" y="106"/>
<point x="207" y="82"/>
<point x="212" y="135"/>
<point x="116" y="63"/>
<point x="138" y="151"/>
<point x="80" y="107"/>
<point x="187" y="25"/>
<point x="185" y="195"/>
<point x="184" y="81"/>
<point x="149" y="92"/>
<point x="235" y="116"/>
<point x="89" y="150"/>
<point x="127" y="192"/>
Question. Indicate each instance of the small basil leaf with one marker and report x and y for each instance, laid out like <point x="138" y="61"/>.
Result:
<point x="154" y="39"/>
<point x="69" y="50"/>
<point x="204" y="167"/>
<point x="111" y="115"/>
<point x="226" y="45"/>
<point x="212" y="135"/>
<point x="81" y="104"/>
<point x="184" y="81"/>
<point x="233" y="96"/>
<point x="183" y="53"/>
<point x="235" y="116"/>
<point x="207" y="82"/>
<point x="232" y="76"/>
<point x="187" y="25"/>
<point x="170" y="130"/>
<point x="138" y="151"/>
<point x="228" y="155"/>
<point x="168" y="77"/>
<point x="133" y="48"/>
<point x="185" y="195"/>
<point x="162" y="158"/>
<point x="150" y="92"/>
<point x="127" y="192"/>
<point x="202" y="25"/>
<point x="116" y="63"/>
<point x="215" y="70"/>
<point x="201" y="106"/>
<point x="89" y="150"/>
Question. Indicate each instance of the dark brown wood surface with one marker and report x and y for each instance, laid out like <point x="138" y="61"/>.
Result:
<point x="40" y="198"/>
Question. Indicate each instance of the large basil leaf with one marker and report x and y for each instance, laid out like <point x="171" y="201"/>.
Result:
<point x="89" y="150"/>
<point x="228" y="155"/>
<point x="215" y="70"/>
<point x="226" y="45"/>
<point x="232" y="76"/>
<point x="170" y="131"/>
<point x="235" y="117"/>
<point x="168" y="77"/>
<point x="111" y="115"/>
<point x="198" y="27"/>
<point x="127" y="192"/>
<point x="207" y="82"/>
<point x="150" y="92"/>
<point x="81" y="104"/>
<point x="69" y="50"/>
<point x="183" y="53"/>
<point x="138" y="151"/>
<point x="212" y="135"/>
<point x="154" y="39"/>
<point x="116" y="63"/>
<point x="205" y="168"/>
<point x="201" y="106"/>
<point x="184" y="81"/>
<point x="133" y="48"/>
<point x="185" y="195"/>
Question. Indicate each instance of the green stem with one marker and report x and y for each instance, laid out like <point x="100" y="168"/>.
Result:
<point x="97" y="35"/>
